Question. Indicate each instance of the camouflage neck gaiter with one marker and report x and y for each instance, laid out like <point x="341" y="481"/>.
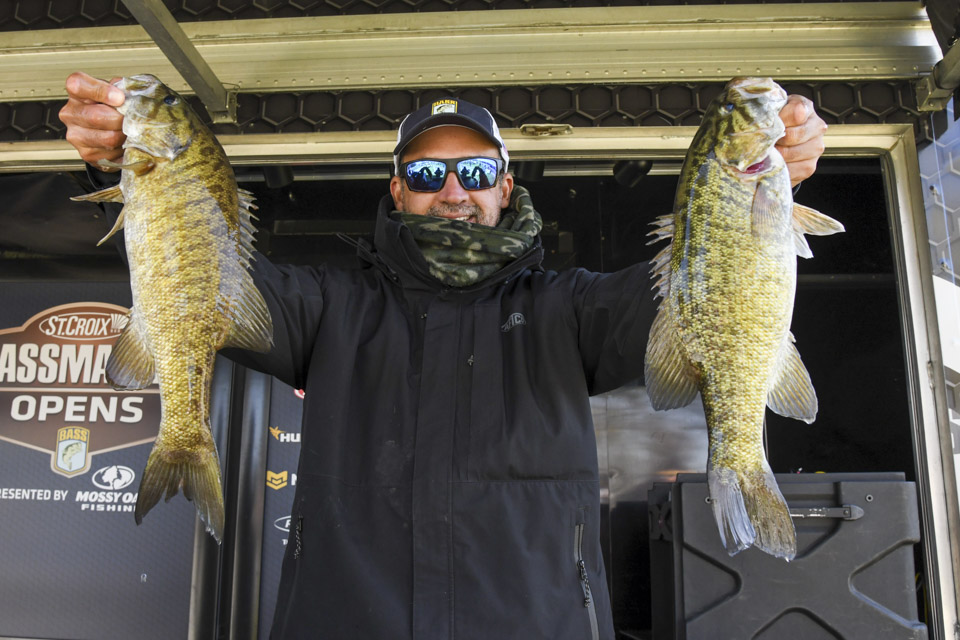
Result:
<point x="460" y="253"/>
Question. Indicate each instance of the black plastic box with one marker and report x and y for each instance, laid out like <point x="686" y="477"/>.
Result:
<point x="852" y="578"/>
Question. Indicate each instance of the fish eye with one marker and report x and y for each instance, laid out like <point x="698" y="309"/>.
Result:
<point x="171" y="100"/>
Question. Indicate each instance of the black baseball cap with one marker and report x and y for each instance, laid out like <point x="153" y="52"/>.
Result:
<point x="448" y="111"/>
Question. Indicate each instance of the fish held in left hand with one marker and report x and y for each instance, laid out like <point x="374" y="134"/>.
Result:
<point x="727" y="282"/>
<point x="189" y="241"/>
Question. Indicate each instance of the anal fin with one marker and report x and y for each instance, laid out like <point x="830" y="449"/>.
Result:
<point x="791" y="393"/>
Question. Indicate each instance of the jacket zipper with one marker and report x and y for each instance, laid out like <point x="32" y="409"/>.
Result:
<point x="297" y="542"/>
<point x="585" y="583"/>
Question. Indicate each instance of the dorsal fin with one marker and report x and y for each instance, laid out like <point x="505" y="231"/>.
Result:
<point x="252" y="326"/>
<point x="660" y="265"/>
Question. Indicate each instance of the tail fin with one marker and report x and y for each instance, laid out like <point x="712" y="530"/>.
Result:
<point x="750" y="511"/>
<point x="198" y="474"/>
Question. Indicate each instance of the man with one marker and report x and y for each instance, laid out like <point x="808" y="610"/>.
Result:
<point x="448" y="484"/>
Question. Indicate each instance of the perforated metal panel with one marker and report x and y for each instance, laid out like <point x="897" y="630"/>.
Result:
<point x="580" y="106"/>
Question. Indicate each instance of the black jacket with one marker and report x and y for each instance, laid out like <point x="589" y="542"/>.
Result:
<point x="447" y="485"/>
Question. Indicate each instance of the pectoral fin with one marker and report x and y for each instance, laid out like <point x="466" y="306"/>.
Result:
<point x="810" y="221"/>
<point x="131" y="364"/>
<point x="792" y="394"/>
<point x="768" y="212"/>
<point x="139" y="167"/>
<point x="670" y="377"/>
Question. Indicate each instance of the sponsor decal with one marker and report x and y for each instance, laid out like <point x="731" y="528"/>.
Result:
<point x="54" y="395"/>
<point x="284" y="436"/>
<point x="114" y="477"/>
<point x="83" y="325"/>
<point x="71" y="456"/>
<point x="514" y="320"/>
<point x="106" y="501"/>
<point x="22" y="493"/>
<point x="283" y="523"/>
<point x="443" y="106"/>
<point x="280" y="479"/>
<point x="276" y="480"/>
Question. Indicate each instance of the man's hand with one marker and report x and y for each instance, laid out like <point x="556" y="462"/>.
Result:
<point x="93" y="125"/>
<point x="802" y="143"/>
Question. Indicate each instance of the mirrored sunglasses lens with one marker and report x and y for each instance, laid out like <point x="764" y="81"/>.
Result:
<point x="426" y="175"/>
<point x="477" y="173"/>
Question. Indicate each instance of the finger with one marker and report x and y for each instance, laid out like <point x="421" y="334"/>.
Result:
<point x="796" y="111"/>
<point x="809" y="150"/>
<point x="91" y="116"/>
<point x="86" y="88"/>
<point x="812" y="129"/>
<point x="98" y="139"/>
<point x="801" y="170"/>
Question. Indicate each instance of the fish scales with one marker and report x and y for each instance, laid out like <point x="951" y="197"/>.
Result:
<point x="189" y="238"/>
<point x="727" y="280"/>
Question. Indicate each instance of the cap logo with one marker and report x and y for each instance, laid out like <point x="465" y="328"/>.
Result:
<point x="444" y="106"/>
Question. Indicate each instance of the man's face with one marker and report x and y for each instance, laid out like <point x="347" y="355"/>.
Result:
<point x="452" y="201"/>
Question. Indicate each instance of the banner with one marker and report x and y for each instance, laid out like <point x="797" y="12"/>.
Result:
<point x="75" y="563"/>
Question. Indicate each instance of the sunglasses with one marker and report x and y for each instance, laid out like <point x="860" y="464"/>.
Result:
<point x="474" y="174"/>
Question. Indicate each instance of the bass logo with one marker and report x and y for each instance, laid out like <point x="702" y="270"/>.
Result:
<point x="71" y="456"/>
<point x="444" y="106"/>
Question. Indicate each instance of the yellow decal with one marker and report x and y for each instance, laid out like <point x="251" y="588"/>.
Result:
<point x="72" y="454"/>
<point x="444" y="106"/>
<point x="276" y="480"/>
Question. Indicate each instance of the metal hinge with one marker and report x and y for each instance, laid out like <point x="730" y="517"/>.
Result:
<point x="538" y="130"/>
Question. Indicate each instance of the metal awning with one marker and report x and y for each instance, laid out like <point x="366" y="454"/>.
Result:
<point x="828" y="42"/>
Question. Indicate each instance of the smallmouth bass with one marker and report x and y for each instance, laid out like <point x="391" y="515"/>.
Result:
<point x="189" y="240"/>
<point x="727" y="282"/>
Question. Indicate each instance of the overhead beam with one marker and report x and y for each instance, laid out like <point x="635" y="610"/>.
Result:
<point x="160" y="24"/>
<point x="841" y="41"/>
<point x="366" y="147"/>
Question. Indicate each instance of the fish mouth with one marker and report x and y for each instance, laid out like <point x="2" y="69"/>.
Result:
<point x="759" y="88"/>
<point x="143" y="85"/>
<point x="757" y="167"/>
